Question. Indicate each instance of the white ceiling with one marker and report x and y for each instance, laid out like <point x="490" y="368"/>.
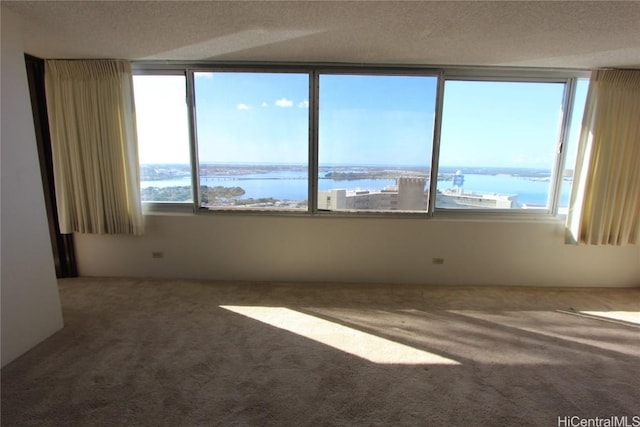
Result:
<point x="521" y="33"/>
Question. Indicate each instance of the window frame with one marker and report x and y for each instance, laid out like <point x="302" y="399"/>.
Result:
<point x="510" y="76"/>
<point x="152" y="69"/>
<point x="371" y="71"/>
<point x="568" y="77"/>
<point x="241" y="68"/>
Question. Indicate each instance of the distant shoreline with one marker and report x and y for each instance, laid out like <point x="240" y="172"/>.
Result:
<point x="158" y="172"/>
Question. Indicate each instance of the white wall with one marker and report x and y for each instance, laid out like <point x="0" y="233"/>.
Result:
<point x="30" y="302"/>
<point x="245" y="247"/>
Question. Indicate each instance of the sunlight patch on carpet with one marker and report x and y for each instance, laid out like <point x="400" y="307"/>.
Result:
<point x="370" y="347"/>
<point x="591" y="332"/>
<point x="624" y="316"/>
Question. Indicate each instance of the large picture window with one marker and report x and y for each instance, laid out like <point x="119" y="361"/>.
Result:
<point x="498" y="144"/>
<point x="326" y="140"/>
<point x="253" y="140"/>
<point x="375" y="142"/>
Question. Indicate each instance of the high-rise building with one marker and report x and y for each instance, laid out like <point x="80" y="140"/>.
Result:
<point x="407" y="195"/>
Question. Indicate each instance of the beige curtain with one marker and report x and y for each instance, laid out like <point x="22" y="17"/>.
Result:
<point x="604" y="208"/>
<point x="95" y="154"/>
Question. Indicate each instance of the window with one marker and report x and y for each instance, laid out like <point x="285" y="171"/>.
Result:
<point x="339" y="139"/>
<point x="498" y="144"/>
<point x="375" y="141"/>
<point x="163" y="138"/>
<point x="253" y="140"/>
<point x="571" y="145"/>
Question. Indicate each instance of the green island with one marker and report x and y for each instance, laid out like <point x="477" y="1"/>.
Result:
<point x="183" y="193"/>
<point x="217" y="196"/>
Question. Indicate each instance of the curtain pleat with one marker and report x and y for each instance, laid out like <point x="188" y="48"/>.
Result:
<point x="92" y="118"/>
<point x="62" y="245"/>
<point x="604" y="208"/>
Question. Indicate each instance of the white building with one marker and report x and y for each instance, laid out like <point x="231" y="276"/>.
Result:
<point x="456" y="198"/>
<point x="408" y="194"/>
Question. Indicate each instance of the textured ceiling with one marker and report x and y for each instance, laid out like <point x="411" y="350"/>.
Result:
<point x="537" y="34"/>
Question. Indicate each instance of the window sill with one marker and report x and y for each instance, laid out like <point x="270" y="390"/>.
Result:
<point x="169" y="209"/>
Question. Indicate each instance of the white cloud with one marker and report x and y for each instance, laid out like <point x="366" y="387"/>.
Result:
<point x="264" y="104"/>
<point x="284" y="102"/>
<point x="242" y="107"/>
<point x="304" y="104"/>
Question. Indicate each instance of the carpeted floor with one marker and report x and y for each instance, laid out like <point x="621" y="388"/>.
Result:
<point x="195" y="353"/>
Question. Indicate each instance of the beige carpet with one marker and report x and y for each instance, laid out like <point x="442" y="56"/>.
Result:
<point x="195" y="353"/>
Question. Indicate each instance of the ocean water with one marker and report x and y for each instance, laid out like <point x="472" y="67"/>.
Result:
<point x="292" y="185"/>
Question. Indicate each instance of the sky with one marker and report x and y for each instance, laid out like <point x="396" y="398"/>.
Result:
<point x="161" y="119"/>
<point x="376" y="120"/>
<point x="252" y="118"/>
<point x="363" y="120"/>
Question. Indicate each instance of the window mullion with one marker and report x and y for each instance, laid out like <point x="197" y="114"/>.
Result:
<point x="193" y="140"/>
<point x="557" y="173"/>
<point x="313" y="167"/>
<point x="435" y="151"/>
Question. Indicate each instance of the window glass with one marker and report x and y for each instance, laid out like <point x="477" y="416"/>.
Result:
<point x="375" y="136"/>
<point x="253" y="138"/>
<point x="571" y="147"/>
<point x="498" y="144"/>
<point x="163" y="138"/>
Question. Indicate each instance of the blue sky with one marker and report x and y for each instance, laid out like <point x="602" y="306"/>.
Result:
<point x="372" y="120"/>
<point x="501" y="124"/>
<point x="376" y="120"/>
<point x="252" y="118"/>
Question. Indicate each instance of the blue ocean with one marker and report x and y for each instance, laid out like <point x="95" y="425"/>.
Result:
<point x="292" y="185"/>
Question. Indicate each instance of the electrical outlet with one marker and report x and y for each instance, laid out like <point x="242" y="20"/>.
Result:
<point x="438" y="261"/>
<point x="157" y="254"/>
